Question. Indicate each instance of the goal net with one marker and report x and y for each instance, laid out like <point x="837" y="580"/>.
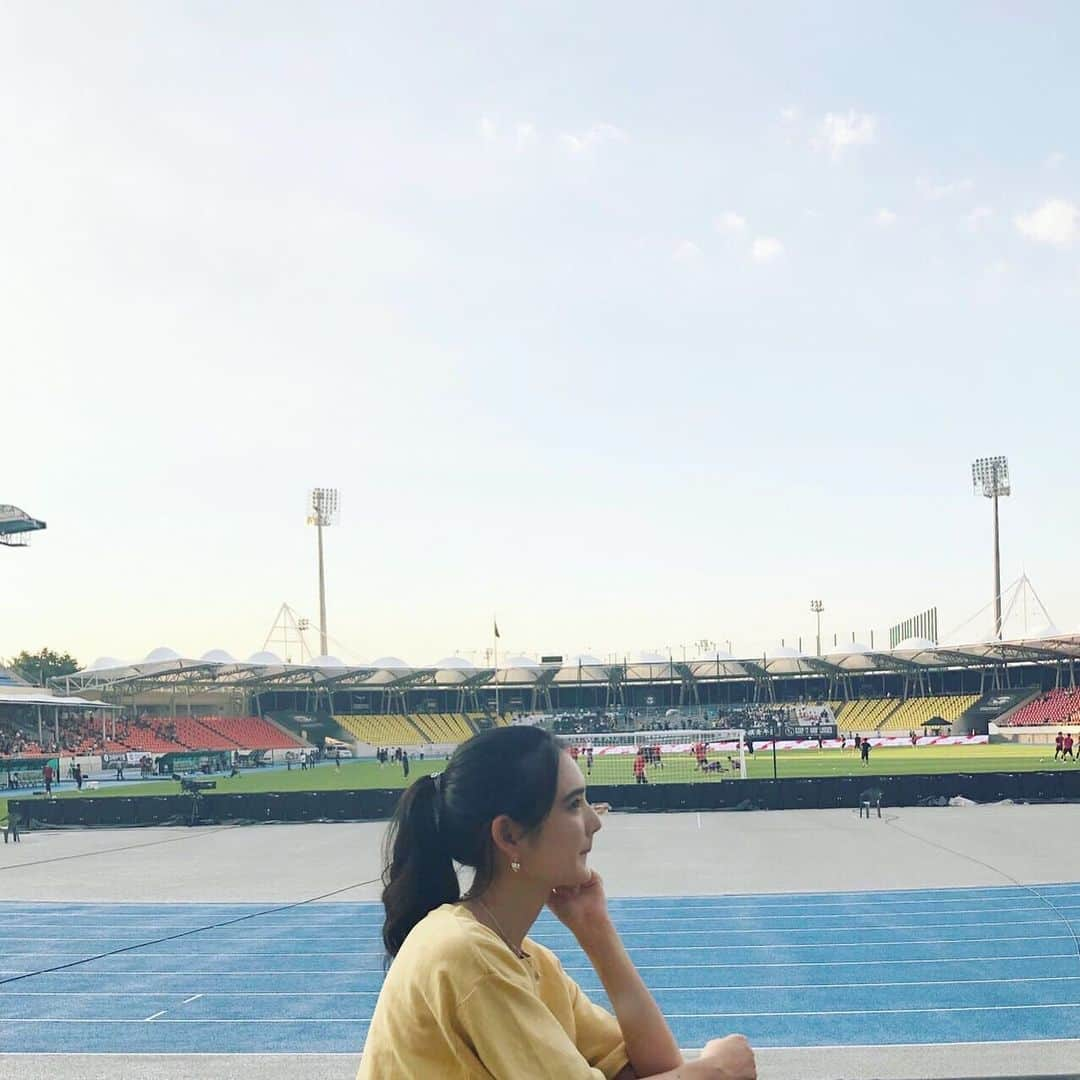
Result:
<point x="651" y="757"/>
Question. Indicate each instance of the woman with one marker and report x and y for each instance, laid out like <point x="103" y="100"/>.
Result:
<point x="468" y="994"/>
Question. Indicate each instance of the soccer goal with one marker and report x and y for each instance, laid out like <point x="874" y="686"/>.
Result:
<point x="649" y="757"/>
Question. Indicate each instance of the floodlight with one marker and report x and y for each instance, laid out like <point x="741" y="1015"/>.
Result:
<point x="990" y="478"/>
<point x="323" y="504"/>
<point x="817" y="607"/>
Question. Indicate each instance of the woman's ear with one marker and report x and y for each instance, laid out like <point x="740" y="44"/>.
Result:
<point x="506" y="835"/>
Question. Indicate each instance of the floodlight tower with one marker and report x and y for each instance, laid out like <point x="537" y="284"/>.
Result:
<point x="322" y="512"/>
<point x="817" y="607"/>
<point x="990" y="477"/>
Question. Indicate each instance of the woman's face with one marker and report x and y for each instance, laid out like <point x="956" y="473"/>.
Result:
<point x="557" y="853"/>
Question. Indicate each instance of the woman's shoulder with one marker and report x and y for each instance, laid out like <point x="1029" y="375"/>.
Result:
<point x="451" y="935"/>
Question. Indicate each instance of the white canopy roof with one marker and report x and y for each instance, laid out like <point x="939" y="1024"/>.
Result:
<point x="218" y="666"/>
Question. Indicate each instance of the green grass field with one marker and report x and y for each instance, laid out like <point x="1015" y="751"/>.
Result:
<point x="618" y="770"/>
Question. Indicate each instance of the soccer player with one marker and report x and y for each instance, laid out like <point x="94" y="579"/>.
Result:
<point x="639" y="768"/>
<point x="1059" y="746"/>
<point x="865" y="748"/>
<point x="1067" y="751"/>
<point x="588" y="759"/>
<point x="469" y="993"/>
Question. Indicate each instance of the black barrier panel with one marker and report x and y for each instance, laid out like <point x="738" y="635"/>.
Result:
<point x="830" y="793"/>
<point x="998" y="786"/>
<point x="379" y="804"/>
<point x="1041" y="786"/>
<point x="798" y="794"/>
<point x="373" y="805"/>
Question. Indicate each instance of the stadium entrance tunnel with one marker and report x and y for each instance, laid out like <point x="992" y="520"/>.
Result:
<point x="827" y="793"/>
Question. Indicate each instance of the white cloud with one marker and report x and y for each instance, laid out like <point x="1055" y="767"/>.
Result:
<point x="934" y="191"/>
<point x="525" y="137"/>
<point x="978" y="217"/>
<point x="842" y="130"/>
<point x="884" y="218"/>
<point x="1056" y="222"/>
<point x="582" y="141"/>
<point x="686" y="251"/>
<point x="766" y="249"/>
<point x="730" y="222"/>
<point x="790" y="113"/>
<point x="1053" y="160"/>
<point x="488" y="131"/>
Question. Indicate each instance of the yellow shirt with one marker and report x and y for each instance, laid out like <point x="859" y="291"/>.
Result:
<point x="457" y="1004"/>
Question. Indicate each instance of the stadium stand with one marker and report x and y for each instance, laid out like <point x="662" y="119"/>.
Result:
<point x="864" y="715"/>
<point x="445" y="727"/>
<point x="910" y="715"/>
<point x="250" y="733"/>
<point x="384" y="729"/>
<point x="895" y="714"/>
<point x="417" y="729"/>
<point x="1053" y="708"/>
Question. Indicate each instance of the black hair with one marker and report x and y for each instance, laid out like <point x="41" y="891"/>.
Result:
<point x="440" y="821"/>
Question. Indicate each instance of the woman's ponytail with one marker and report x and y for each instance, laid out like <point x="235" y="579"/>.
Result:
<point x="419" y="874"/>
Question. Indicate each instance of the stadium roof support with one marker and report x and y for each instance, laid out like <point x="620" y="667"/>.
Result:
<point x="15" y="524"/>
<point x="174" y="673"/>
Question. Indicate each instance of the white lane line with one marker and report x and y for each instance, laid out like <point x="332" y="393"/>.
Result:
<point x="930" y="1010"/>
<point x="835" y="963"/>
<point x="593" y="989"/>
<point x="287" y="993"/>
<point x="208" y="1020"/>
<point x="194" y="997"/>
<point x="156" y="1015"/>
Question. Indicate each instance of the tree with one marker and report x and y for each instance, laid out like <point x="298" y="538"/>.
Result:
<point x="39" y="667"/>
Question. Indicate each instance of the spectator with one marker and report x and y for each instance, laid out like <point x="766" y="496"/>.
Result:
<point x="459" y="963"/>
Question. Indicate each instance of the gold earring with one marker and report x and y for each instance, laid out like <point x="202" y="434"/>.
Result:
<point x="515" y="866"/>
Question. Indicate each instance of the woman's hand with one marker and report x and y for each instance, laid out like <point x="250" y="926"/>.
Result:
<point x="726" y="1059"/>
<point x="582" y="909"/>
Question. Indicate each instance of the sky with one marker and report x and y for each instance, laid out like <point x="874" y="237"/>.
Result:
<point x="636" y="325"/>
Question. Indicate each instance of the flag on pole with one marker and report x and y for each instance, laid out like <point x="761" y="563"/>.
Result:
<point x="497" y="634"/>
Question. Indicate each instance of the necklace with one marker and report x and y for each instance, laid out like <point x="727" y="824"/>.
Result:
<point x="519" y="953"/>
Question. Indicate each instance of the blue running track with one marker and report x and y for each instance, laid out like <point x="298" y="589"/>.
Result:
<point x="822" y="969"/>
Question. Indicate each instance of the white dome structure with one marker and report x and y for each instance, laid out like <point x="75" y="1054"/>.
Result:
<point x="720" y="655"/>
<point x="914" y="644"/>
<point x="783" y="652"/>
<point x="163" y="652"/>
<point x="847" y="648"/>
<point x="390" y="662"/>
<point x="107" y="663"/>
<point x="266" y="659"/>
<point x="584" y="660"/>
<point x="457" y="663"/>
<point x="1047" y="630"/>
<point x="218" y="656"/>
<point x="526" y="662"/>
<point x="327" y="662"/>
<point x="649" y="658"/>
